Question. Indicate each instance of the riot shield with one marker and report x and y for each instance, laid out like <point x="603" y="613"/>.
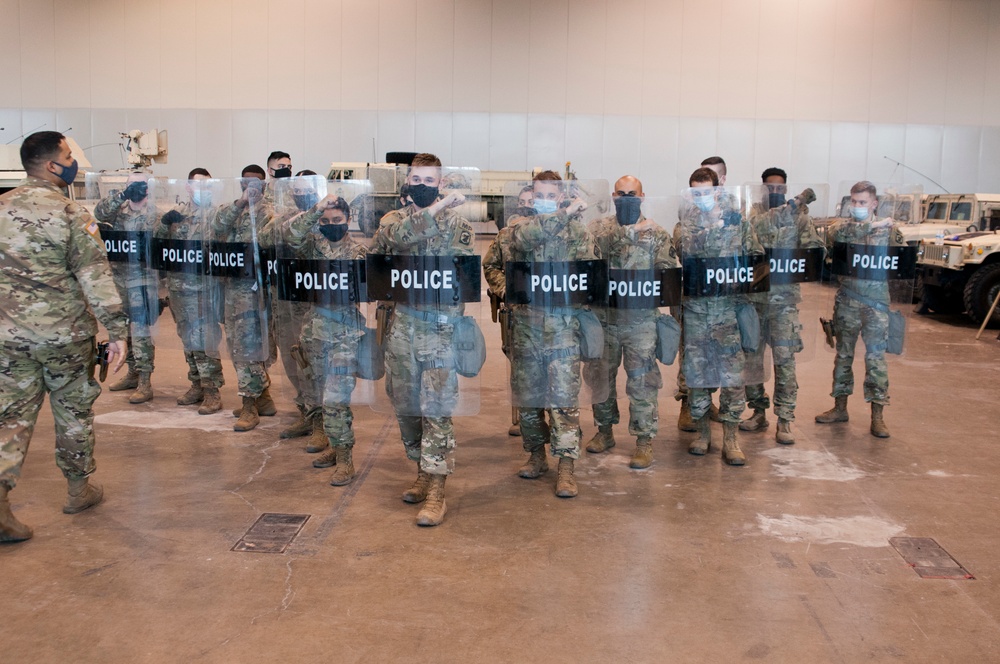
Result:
<point x="424" y="275"/>
<point x="556" y="294"/>
<point x="725" y="271"/>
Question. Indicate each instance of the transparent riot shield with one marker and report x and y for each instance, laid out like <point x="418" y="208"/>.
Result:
<point x="556" y="294"/>
<point x="236" y="282"/>
<point x="726" y="280"/>
<point x="424" y="276"/>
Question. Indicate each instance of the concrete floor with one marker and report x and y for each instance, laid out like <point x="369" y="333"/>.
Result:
<point x="785" y="560"/>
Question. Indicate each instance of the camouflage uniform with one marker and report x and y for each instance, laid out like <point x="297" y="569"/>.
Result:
<point x="55" y="277"/>
<point x="785" y="227"/>
<point x="136" y="285"/>
<point x="419" y="358"/>
<point x="852" y="318"/>
<point x="245" y="332"/>
<point x="712" y="347"/>
<point x="545" y="350"/>
<point x="329" y="335"/>
<point x="188" y="301"/>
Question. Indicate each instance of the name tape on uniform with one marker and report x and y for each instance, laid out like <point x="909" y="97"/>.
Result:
<point x="126" y="246"/>
<point x="557" y="284"/>
<point x="794" y="266"/>
<point x="644" y="289"/>
<point x="726" y="275"/>
<point x="874" y="262"/>
<point x="232" y="259"/>
<point x="185" y="256"/>
<point x="444" y="280"/>
<point x="321" y="281"/>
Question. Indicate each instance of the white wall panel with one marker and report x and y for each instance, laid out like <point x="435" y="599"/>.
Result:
<point x="398" y="61"/>
<point x="772" y="146"/>
<point x="623" y="74"/>
<point x="107" y="53"/>
<point x="322" y="57"/>
<point x="182" y="72"/>
<point x="250" y="144"/>
<point x="737" y="143"/>
<point x="662" y="44"/>
<point x="473" y="55"/>
<point x="10" y="53"/>
<point x="74" y="122"/>
<point x="284" y="61"/>
<point x="251" y="39"/>
<point x="72" y="76"/>
<point x="891" y="58"/>
<point x="815" y="46"/>
<point x="508" y="141"/>
<point x="855" y="30"/>
<point x="991" y="77"/>
<point x="359" y="50"/>
<point x="775" y="81"/>
<point x="738" y="35"/>
<point x="38" y="119"/>
<point x="434" y="55"/>
<point x="548" y="39"/>
<point x="358" y="130"/>
<point x="699" y="138"/>
<point x="959" y="158"/>
<point x="10" y="126"/>
<point x="142" y="63"/>
<point x="38" y="70"/>
<point x="510" y="70"/>
<point x="810" y="152"/>
<point x="657" y="159"/>
<point x="395" y="132"/>
<point x="322" y="146"/>
<point x="584" y="146"/>
<point x="433" y="133"/>
<point x="923" y="152"/>
<point x="106" y="125"/>
<point x="470" y="139"/>
<point x="546" y="139"/>
<point x="214" y="149"/>
<point x="886" y="140"/>
<point x="989" y="165"/>
<point x="929" y="62"/>
<point x="701" y="59"/>
<point x="968" y="44"/>
<point x="590" y="68"/>
<point x="621" y="146"/>
<point x="183" y="139"/>
<point x="285" y="132"/>
<point x="848" y="153"/>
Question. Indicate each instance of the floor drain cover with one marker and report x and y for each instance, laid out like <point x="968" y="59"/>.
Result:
<point x="928" y="559"/>
<point x="272" y="533"/>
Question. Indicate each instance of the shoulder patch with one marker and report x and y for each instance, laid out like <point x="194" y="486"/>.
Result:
<point x="465" y="237"/>
<point x="899" y="237"/>
<point x="92" y="228"/>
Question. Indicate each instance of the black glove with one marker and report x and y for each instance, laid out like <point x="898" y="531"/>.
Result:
<point x="172" y="217"/>
<point x="136" y="191"/>
<point x="732" y="218"/>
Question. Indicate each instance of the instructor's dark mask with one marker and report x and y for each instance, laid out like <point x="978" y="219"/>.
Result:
<point x="283" y="172"/>
<point x="627" y="209"/>
<point x="333" y="232"/>
<point x="422" y="195"/>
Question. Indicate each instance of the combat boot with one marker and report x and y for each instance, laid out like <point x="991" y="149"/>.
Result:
<point x="417" y="493"/>
<point x="248" y="415"/>
<point x="643" y="455"/>
<point x="265" y="404"/>
<point x="195" y="394"/>
<point x="212" y="403"/>
<point x="11" y="530"/>
<point x="81" y="495"/>
<point x="327" y="459"/>
<point x="129" y="381"/>
<point x="836" y="414"/>
<point x="565" y="482"/>
<point x="713" y="413"/>
<point x="603" y="440"/>
<point x="756" y="422"/>
<point x="434" y="509"/>
<point x="684" y="421"/>
<point x="703" y="444"/>
<point x="731" y="451"/>
<point x="784" y="433"/>
<point x="143" y="391"/>
<point x="317" y="442"/>
<point x="879" y="429"/>
<point x="302" y="427"/>
<point x="536" y="464"/>
<point x="345" y="467"/>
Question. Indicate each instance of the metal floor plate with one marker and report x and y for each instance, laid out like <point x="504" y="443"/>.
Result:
<point x="928" y="559"/>
<point x="271" y="533"/>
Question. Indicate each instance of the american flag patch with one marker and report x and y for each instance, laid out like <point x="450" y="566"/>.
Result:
<point x="92" y="228"/>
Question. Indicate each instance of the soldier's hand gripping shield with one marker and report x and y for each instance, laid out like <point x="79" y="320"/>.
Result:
<point x="321" y="280"/>
<point x="556" y="292"/>
<point x="725" y="270"/>
<point x="424" y="274"/>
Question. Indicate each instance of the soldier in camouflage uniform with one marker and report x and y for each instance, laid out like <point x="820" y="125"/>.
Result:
<point x="330" y="334"/>
<point x="711" y="336"/>
<point x="854" y="313"/>
<point x="419" y="357"/>
<point x="137" y="287"/>
<point x="779" y="225"/>
<point x="188" y="301"/>
<point x="545" y="350"/>
<point x="54" y="278"/>
<point x="629" y="241"/>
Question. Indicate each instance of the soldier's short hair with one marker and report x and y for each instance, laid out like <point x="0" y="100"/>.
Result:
<point x="276" y="155"/>
<point x="704" y="175"/>
<point x="771" y="172"/>
<point x="343" y="206"/>
<point x="864" y="186"/>
<point x="716" y="161"/>
<point x="40" y="147"/>
<point x="199" y="171"/>
<point x="546" y="175"/>
<point x="425" y="159"/>
<point x="253" y="169"/>
<point x="305" y="172"/>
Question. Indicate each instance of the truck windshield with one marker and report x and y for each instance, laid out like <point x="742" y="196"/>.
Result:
<point x="937" y="210"/>
<point x="961" y="212"/>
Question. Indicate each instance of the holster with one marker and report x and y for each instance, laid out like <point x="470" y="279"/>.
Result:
<point x="504" y="317"/>
<point x="384" y="315"/>
<point x="101" y="360"/>
<point x="299" y="357"/>
<point x="830" y="332"/>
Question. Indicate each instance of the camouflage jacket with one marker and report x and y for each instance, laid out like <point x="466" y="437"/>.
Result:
<point x="115" y="215"/>
<point x="192" y="228"/>
<point x="785" y="227"/>
<point x="55" y="274"/>
<point x="703" y="237"/>
<point x="233" y="224"/>
<point x="862" y="232"/>
<point x="495" y="262"/>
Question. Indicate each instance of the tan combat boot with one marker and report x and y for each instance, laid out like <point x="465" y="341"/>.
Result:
<point x="603" y="440"/>
<point x="417" y="493"/>
<point x="731" y="451"/>
<point x="643" y="456"/>
<point x="327" y="459"/>
<point x="195" y="394"/>
<point x="756" y="422"/>
<point x="129" y="381"/>
<point x="302" y="427"/>
<point x="565" y="482"/>
<point x="11" y="530"/>
<point x="82" y="494"/>
<point x="515" y="427"/>
<point x="879" y="429"/>
<point x="345" y="467"/>
<point x="703" y="444"/>
<point x="684" y="421"/>
<point x="317" y="441"/>
<point x="535" y="465"/>
<point x="434" y="509"/>
<point x="836" y="414"/>
<point x="248" y="415"/>
<point x="265" y="404"/>
<point x="212" y="403"/>
<point x="784" y="433"/>
<point x="143" y="391"/>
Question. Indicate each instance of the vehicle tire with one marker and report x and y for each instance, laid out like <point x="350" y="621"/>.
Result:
<point x="980" y="291"/>
<point x="941" y="300"/>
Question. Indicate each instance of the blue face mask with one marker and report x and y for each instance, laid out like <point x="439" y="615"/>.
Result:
<point x="859" y="213"/>
<point x="543" y="206"/>
<point x="68" y="173"/>
<point x="201" y="198"/>
<point x="705" y="203"/>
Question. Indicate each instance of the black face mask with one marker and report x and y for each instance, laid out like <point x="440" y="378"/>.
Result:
<point x="775" y="200"/>
<point x="333" y="232"/>
<point x="422" y="195"/>
<point x="283" y="172"/>
<point x="627" y="209"/>
<point x="305" y="201"/>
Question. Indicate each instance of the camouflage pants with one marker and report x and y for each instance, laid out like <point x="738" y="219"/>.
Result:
<point x="142" y="305"/>
<point x="66" y="373"/>
<point x="563" y="434"/>
<point x="781" y="331"/>
<point x="682" y="389"/>
<point x="636" y="344"/>
<point x="421" y="383"/>
<point x="327" y="384"/>
<point x="247" y="336"/>
<point x="198" y="336"/>
<point x="288" y="318"/>
<point x="852" y="319"/>
<point x="714" y="358"/>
